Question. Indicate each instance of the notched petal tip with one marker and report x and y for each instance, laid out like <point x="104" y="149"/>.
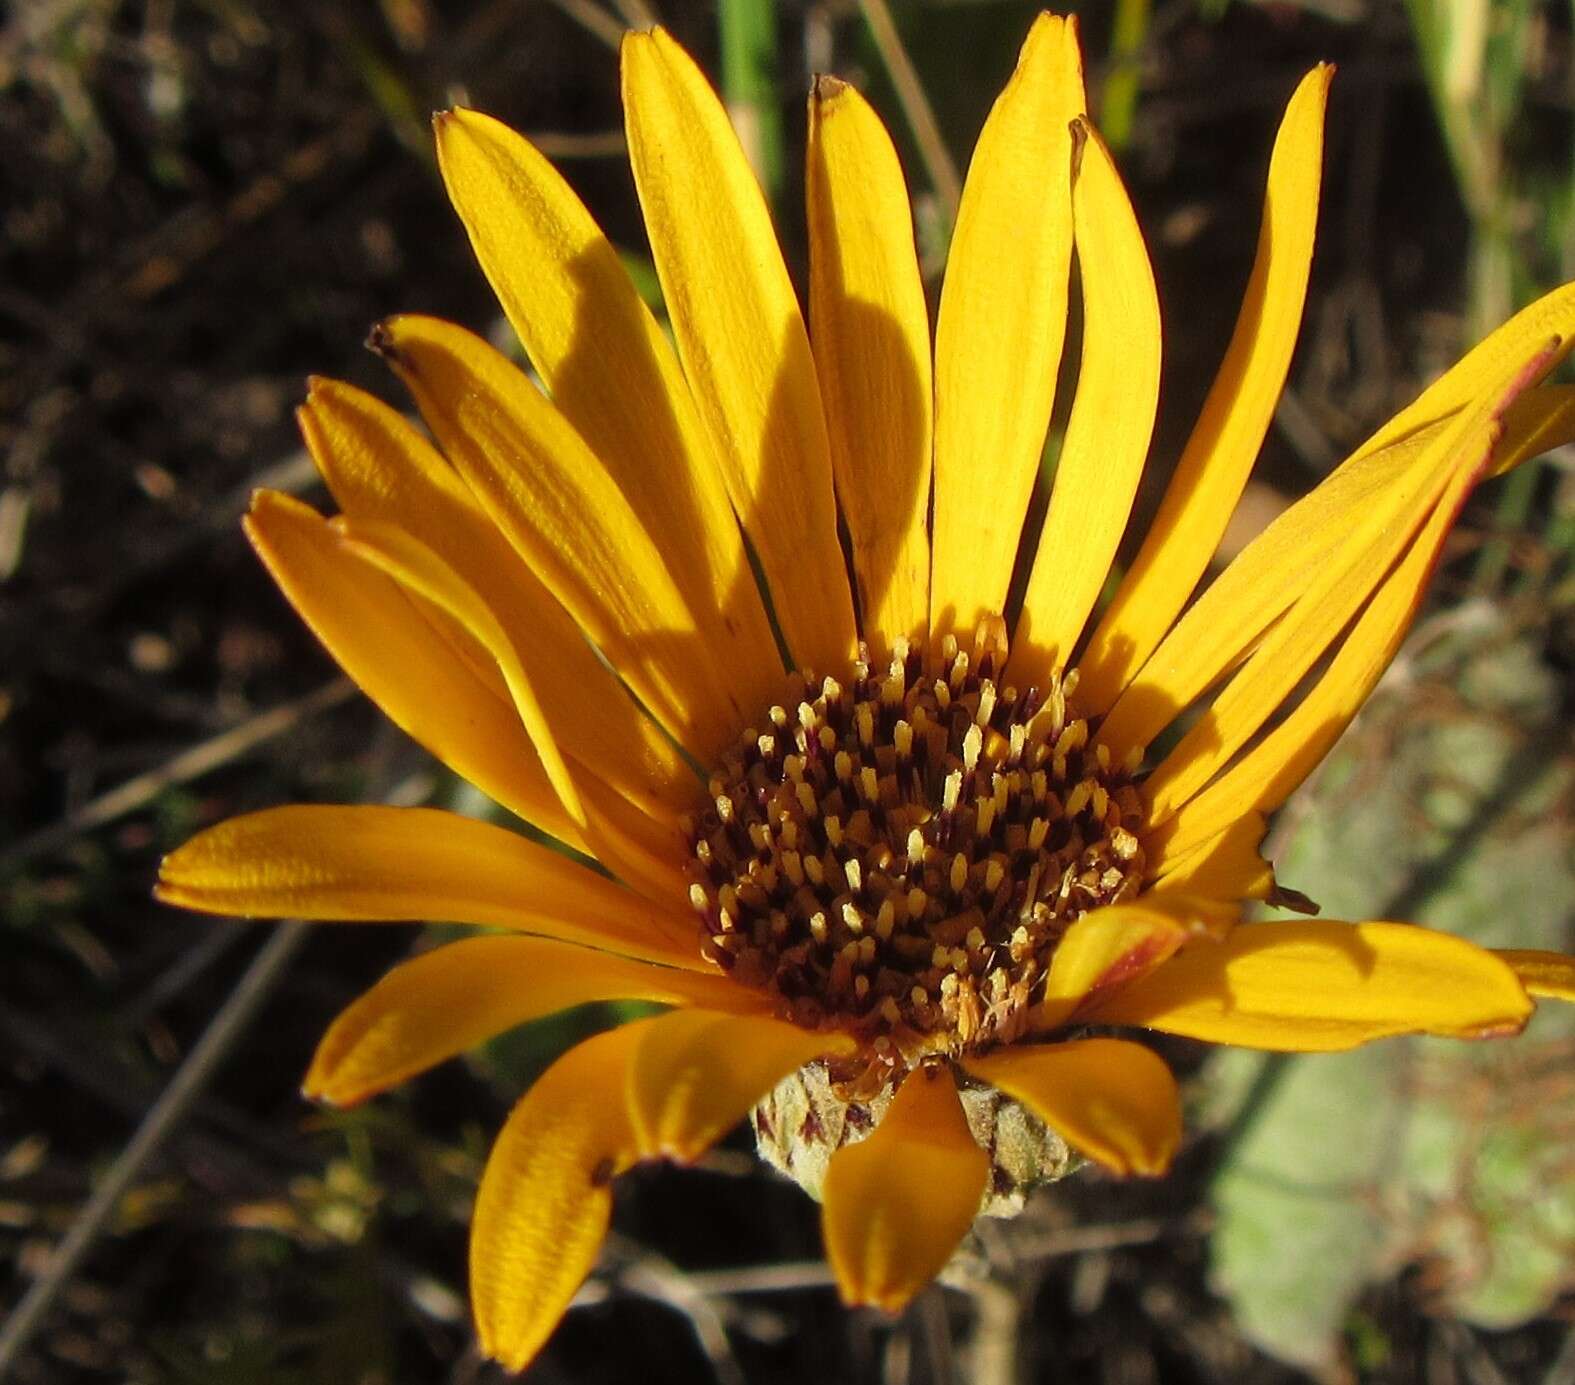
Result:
<point x="824" y="88"/>
<point x="380" y="342"/>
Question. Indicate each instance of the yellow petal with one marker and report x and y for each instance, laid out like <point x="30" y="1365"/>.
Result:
<point x="415" y="864"/>
<point x="611" y="373"/>
<point x="1111" y="947"/>
<point x="546" y="1196"/>
<point x="555" y="503"/>
<point x="1226" y="866"/>
<point x="1267" y="774"/>
<point x="1319" y="987"/>
<point x="897" y="1203"/>
<point x="1112" y="1100"/>
<point x="443" y="1002"/>
<point x="1220" y="453"/>
<point x="741" y="339"/>
<point x="380" y="468"/>
<point x="1112" y="420"/>
<point x="402" y="662"/>
<point x="1001" y="326"/>
<point x="871" y="334"/>
<point x="636" y="856"/>
<point x="1362" y="498"/>
<point x="698" y="1073"/>
<point x="1447" y="470"/>
<point x="1552" y="315"/>
<point x="1546" y="975"/>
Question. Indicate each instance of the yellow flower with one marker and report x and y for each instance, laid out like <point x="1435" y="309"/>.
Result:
<point x="927" y="868"/>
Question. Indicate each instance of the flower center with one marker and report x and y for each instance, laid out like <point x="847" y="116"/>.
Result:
<point x="899" y="853"/>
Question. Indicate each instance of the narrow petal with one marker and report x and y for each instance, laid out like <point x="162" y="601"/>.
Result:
<point x="428" y="577"/>
<point x="1001" y="326"/>
<point x="698" y="1073"/>
<point x="1105" y="949"/>
<point x="369" y="863"/>
<point x="1546" y="975"/>
<point x="1227" y="866"/>
<point x="380" y="468"/>
<point x="871" y="335"/>
<point x="1326" y="527"/>
<point x="611" y="372"/>
<point x="1324" y="986"/>
<point x="555" y="503"/>
<point x="546" y="1196"/>
<point x="1107" y="436"/>
<point x="1552" y="315"/>
<point x="1110" y="1099"/>
<point x="897" y="1203"/>
<point x="1219" y="455"/>
<point x="741" y="339"/>
<point x="1270" y="771"/>
<point x="450" y="999"/>
<point x="403" y="663"/>
<point x="1452" y="462"/>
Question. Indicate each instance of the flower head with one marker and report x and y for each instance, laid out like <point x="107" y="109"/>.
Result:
<point x="927" y="849"/>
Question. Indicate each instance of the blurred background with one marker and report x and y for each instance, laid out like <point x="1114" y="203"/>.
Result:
<point x="206" y="200"/>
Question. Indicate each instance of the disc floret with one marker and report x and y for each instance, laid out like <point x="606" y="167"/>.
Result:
<point x="900" y="850"/>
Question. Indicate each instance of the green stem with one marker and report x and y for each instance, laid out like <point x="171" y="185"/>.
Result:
<point x="749" y="87"/>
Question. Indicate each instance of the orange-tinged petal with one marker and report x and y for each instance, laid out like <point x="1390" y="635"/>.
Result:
<point x="370" y="863"/>
<point x="1552" y="315"/>
<point x="546" y="1196"/>
<point x="1220" y="453"/>
<point x="1267" y="774"/>
<point x="379" y="467"/>
<point x="1001" y="327"/>
<point x="741" y="339"/>
<point x="1226" y="866"/>
<point x="871" y="334"/>
<point x="1112" y="421"/>
<point x="1546" y="975"/>
<point x="1455" y="459"/>
<point x="698" y="1073"/>
<point x="1108" y="948"/>
<point x="1322" y="986"/>
<point x="611" y="372"/>
<point x="443" y="1002"/>
<point x="1110" y="1099"/>
<point x="896" y="1204"/>
<point x="417" y="676"/>
<point x="632" y="855"/>
<point x="555" y="503"/>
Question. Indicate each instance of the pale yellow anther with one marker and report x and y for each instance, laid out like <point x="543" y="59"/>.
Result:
<point x="793" y="767"/>
<point x="943" y="694"/>
<point x="959" y="872"/>
<point x="815" y="871"/>
<point x="806" y="798"/>
<point x="984" y="816"/>
<point x="699" y="898"/>
<point x="855" y="873"/>
<point x="1078" y="798"/>
<point x="889" y="1011"/>
<point x="842" y="763"/>
<point x="918" y="901"/>
<point x="986" y="703"/>
<point x="1002" y="790"/>
<point x="868" y="947"/>
<point x="994" y="873"/>
<point x="973" y="739"/>
<point x="789" y="834"/>
<point x="1016" y="739"/>
<point x="834" y="829"/>
<point x="831" y="690"/>
<point x="869" y="784"/>
<point x="975" y="939"/>
<point x="849" y="952"/>
<point x="951" y="791"/>
<point x="1036" y="833"/>
<point x="918" y="997"/>
<point x="864" y="717"/>
<point x="779" y="718"/>
<point x="759" y="836"/>
<point x="724" y="807"/>
<point x="960" y="963"/>
<point x="768" y="746"/>
<point x="828" y="739"/>
<point x="852" y="917"/>
<point x="915" y="845"/>
<point x="819" y="929"/>
<point x="794" y="867"/>
<point x="941" y="956"/>
<point x="1101" y="800"/>
<point x="902" y="739"/>
<point x="885" y="920"/>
